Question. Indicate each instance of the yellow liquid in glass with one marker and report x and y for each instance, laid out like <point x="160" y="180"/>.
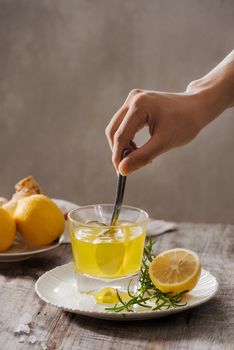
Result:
<point x="112" y="254"/>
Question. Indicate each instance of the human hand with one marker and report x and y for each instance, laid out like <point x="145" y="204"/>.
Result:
<point x="173" y="120"/>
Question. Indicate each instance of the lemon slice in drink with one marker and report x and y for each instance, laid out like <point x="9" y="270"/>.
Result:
<point x="175" y="270"/>
<point x="110" y="258"/>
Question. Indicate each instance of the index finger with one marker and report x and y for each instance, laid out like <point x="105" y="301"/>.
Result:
<point x="114" y="124"/>
<point x="123" y="137"/>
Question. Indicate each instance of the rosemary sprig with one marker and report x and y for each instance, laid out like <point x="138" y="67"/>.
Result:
<point x="147" y="291"/>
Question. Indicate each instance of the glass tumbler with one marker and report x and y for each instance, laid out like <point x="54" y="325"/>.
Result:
<point x="107" y="256"/>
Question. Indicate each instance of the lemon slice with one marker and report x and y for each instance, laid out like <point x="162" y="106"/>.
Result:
<point x="175" y="270"/>
<point x="110" y="258"/>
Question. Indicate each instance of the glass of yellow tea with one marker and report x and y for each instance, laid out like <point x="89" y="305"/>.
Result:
<point x="107" y="256"/>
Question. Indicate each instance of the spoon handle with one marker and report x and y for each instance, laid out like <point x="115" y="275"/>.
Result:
<point x="119" y="192"/>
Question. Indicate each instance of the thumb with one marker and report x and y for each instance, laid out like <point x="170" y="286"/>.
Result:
<point x="140" y="156"/>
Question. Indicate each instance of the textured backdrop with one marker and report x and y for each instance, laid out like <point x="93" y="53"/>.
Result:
<point x="66" y="66"/>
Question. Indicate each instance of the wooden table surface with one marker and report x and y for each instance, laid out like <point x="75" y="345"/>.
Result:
<point x="210" y="326"/>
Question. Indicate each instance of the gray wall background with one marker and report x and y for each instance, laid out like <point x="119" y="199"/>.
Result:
<point x="67" y="65"/>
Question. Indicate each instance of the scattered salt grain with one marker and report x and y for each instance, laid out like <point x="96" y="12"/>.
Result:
<point x="22" y="328"/>
<point x="26" y="318"/>
<point x="32" y="339"/>
<point x="21" y="339"/>
<point x="43" y="345"/>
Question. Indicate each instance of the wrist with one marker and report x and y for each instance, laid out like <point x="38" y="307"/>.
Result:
<point x="211" y="95"/>
<point x="215" y="91"/>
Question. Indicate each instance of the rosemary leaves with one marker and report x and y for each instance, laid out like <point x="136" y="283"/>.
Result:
<point x="147" y="295"/>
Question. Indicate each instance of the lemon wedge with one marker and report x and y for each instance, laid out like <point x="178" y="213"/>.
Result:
<point x="175" y="270"/>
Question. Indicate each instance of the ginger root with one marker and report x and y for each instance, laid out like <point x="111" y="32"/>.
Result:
<point x="3" y="201"/>
<point x="24" y="188"/>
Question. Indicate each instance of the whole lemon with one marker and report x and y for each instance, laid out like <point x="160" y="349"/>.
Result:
<point x="39" y="220"/>
<point x="7" y="230"/>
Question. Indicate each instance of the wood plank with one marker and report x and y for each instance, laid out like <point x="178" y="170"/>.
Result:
<point x="206" y="327"/>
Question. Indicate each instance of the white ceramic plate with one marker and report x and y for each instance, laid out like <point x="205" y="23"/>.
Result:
<point x="20" y="250"/>
<point x="58" y="287"/>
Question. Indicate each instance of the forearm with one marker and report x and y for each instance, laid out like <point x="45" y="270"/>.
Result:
<point x="215" y="91"/>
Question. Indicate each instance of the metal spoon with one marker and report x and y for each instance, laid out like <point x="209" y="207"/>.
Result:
<point x="119" y="192"/>
<point x="118" y="197"/>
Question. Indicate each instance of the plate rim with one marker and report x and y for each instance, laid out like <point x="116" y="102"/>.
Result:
<point x="37" y="251"/>
<point x="124" y="315"/>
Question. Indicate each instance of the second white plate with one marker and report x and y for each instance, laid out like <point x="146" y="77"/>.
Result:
<point x="20" y="250"/>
